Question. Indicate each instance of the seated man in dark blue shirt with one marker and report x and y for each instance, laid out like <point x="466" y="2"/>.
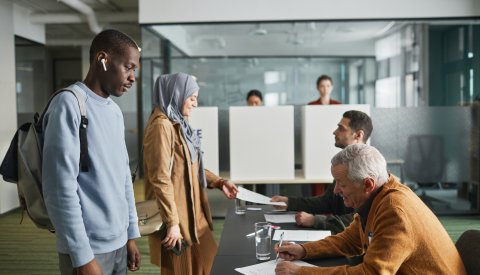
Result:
<point x="328" y="211"/>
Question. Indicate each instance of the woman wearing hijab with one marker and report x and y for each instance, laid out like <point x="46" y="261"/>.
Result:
<point x="176" y="178"/>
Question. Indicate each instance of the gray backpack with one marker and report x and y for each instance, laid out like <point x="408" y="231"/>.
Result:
<point x="23" y="162"/>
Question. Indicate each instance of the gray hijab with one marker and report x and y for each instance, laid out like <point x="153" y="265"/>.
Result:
<point x="170" y="93"/>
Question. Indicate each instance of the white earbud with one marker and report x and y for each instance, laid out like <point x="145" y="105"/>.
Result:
<point x="103" y="63"/>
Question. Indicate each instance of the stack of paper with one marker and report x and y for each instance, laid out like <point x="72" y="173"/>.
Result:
<point x="247" y="195"/>
<point x="266" y="268"/>
<point x="301" y="235"/>
<point x="280" y="218"/>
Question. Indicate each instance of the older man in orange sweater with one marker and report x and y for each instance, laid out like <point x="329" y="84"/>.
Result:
<point x="394" y="231"/>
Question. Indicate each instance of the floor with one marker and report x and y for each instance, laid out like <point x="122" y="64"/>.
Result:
<point x="446" y="201"/>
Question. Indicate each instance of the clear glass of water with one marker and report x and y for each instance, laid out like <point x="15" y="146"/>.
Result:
<point x="240" y="207"/>
<point x="263" y="236"/>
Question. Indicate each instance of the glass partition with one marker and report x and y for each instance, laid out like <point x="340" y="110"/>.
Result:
<point x="421" y="79"/>
<point x="30" y="75"/>
<point x="225" y="82"/>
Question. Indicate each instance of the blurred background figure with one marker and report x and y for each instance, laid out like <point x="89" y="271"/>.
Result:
<point x="325" y="88"/>
<point x="254" y="98"/>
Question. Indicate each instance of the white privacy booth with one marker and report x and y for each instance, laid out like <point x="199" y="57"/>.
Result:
<point x="206" y="118"/>
<point x="261" y="143"/>
<point x="318" y="142"/>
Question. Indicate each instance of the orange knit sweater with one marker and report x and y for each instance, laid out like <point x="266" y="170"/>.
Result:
<point x="405" y="238"/>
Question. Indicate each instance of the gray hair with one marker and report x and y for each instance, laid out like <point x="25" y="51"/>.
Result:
<point x="363" y="161"/>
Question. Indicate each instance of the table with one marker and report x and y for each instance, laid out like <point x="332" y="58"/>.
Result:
<point x="236" y="250"/>
<point x="299" y="179"/>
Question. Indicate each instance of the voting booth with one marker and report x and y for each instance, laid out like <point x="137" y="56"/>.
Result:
<point x="206" y="118"/>
<point x="261" y="143"/>
<point x="318" y="142"/>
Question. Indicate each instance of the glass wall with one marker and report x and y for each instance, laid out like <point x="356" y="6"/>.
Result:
<point x="30" y="77"/>
<point x="420" y="77"/>
<point x="225" y="82"/>
<point x="151" y="68"/>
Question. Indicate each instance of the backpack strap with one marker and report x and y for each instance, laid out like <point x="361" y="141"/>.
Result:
<point x="84" y="158"/>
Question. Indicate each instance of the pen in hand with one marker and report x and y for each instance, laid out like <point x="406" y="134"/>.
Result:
<point x="279" y="244"/>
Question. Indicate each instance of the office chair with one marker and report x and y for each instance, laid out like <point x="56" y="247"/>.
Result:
<point x="468" y="245"/>
<point x="424" y="164"/>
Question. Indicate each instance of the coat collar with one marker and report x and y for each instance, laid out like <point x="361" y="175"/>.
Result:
<point x="157" y="113"/>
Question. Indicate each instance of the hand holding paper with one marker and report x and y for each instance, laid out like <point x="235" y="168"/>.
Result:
<point x="247" y="195"/>
<point x="280" y="198"/>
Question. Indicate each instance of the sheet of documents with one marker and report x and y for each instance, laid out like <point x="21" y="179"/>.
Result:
<point x="301" y="235"/>
<point x="265" y="268"/>
<point x="280" y="218"/>
<point x="247" y="195"/>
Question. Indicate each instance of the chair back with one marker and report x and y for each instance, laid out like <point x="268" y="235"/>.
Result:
<point x="424" y="160"/>
<point x="468" y="245"/>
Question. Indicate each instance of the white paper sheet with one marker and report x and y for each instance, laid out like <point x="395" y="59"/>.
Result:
<point x="247" y="195"/>
<point x="280" y="218"/>
<point x="301" y="235"/>
<point x="265" y="268"/>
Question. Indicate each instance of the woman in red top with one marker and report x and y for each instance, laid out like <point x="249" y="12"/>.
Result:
<point x="324" y="87"/>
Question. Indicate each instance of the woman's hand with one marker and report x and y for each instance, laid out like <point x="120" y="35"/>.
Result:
<point x="173" y="238"/>
<point x="229" y="189"/>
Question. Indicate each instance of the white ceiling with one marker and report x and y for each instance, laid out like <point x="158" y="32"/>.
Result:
<point x="277" y="39"/>
<point x="66" y="25"/>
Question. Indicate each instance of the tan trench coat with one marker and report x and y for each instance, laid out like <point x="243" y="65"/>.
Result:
<point x="172" y="180"/>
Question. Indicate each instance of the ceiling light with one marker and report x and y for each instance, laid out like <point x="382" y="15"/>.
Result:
<point x="386" y="28"/>
<point x="258" y="30"/>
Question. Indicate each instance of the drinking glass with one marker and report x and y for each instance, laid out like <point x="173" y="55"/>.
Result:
<point x="263" y="232"/>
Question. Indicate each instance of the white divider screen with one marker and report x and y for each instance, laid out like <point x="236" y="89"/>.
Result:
<point x="261" y="143"/>
<point x="318" y="142"/>
<point x="206" y="118"/>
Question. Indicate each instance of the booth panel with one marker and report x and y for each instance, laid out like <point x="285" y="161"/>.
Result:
<point x="261" y="143"/>
<point x="206" y="119"/>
